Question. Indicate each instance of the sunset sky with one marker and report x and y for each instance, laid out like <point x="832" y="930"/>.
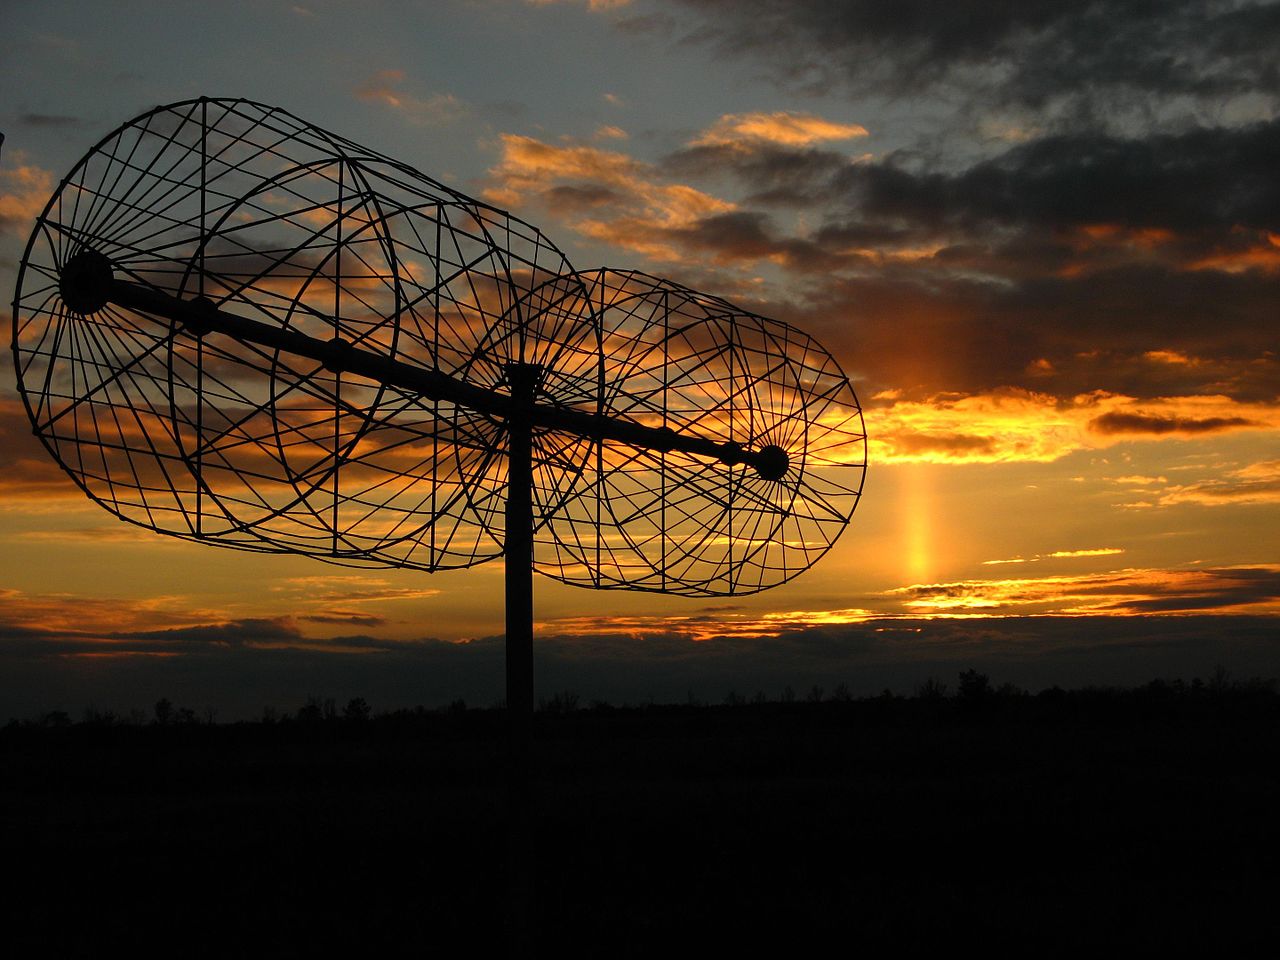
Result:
<point x="1042" y="239"/>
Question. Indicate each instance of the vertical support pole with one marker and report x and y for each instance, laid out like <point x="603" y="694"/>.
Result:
<point x="523" y="382"/>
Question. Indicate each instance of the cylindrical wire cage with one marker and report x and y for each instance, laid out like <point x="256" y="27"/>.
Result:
<point x="675" y="522"/>
<point x="213" y="439"/>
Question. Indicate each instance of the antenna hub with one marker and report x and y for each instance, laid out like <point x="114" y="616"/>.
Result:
<point x="85" y="284"/>
<point x="772" y="462"/>
<point x="199" y="316"/>
<point x="340" y="353"/>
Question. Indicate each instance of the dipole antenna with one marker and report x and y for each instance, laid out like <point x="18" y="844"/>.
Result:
<point x="234" y="327"/>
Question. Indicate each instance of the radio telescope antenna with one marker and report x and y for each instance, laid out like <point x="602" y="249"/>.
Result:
<point x="234" y="327"/>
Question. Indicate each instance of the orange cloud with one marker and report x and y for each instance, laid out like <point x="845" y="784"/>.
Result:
<point x="339" y="588"/>
<point x="625" y="202"/>
<point x="610" y="132"/>
<point x="1262" y="254"/>
<point x="614" y="198"/>
<point x="703" y="626"/>
<point x="1098" y="552"/>
<point x="384" y="88"/>
<point x="1130" y="592"/>
<point x="42" y="613"/>
<point x="28" y="474"/>
<point x="24" y="191"/>
<point x="1238" y="250"/>
<point x="1013" y="425"/>
<point x="1059" y="555"/>
<point x="1172" y="357"/>
<point x="595" y="6"/>
<point x="67" y="625"/>
<point x="1145" y="237"/>
<point x="1133" y="592"/>
<point x="115" y="533"/>
<point x="785" y="129"/>
<point x="1256" y="483"/>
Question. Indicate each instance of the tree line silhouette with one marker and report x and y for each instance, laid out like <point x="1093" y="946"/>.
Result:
<point x="974" y="691"/>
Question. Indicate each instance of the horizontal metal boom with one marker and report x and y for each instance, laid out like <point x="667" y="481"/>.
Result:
<point x="200" y="316"/>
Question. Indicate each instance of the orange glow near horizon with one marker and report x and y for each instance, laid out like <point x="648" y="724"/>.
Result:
<point x="917" y="524"/>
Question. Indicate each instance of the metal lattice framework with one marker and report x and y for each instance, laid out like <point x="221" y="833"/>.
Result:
<point x="234" y="327"/>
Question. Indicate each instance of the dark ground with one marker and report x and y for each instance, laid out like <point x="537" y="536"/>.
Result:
<point x="1054" y="824"/>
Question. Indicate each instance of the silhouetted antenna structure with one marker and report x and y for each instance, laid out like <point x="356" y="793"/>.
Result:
<point x="234" y="327"/>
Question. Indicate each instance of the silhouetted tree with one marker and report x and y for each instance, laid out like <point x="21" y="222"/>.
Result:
<point x="98" y="718"/>
<point x="1220" y="681"/>
<point x="163" y="711"/>
<point x="931" y="689"/>
<point x="815" y="694"/>
<point x="841" y="694"/>
<point x="974" y="686"/>
<point x="356" y="710"/>
<point x="564" y="702"/>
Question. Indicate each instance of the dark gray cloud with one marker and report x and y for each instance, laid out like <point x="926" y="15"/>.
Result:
<point x="777" y="175"/>
<point x="1056" y="264"/>
<point x="750" y="235"/>
<point x="1115" y="422"/>
<point x="49" y="120"/>
<point x="340" y="617"/>
<point x="231" y="633"/>
<point x="1209" y="178"/>
<point x="1124" y="590"/>
<point x="1090" y="56"/>
<point x="925" y="329"/>
<point x="23" y="640"/>
<point x="1086" y="250"/>
<point x="1208" y="186"/>
<point x="571" y="198"/>
<point x="1065" y="263"/>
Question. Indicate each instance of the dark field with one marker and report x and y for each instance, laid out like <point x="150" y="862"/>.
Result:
<point x="1055" y="824"/>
